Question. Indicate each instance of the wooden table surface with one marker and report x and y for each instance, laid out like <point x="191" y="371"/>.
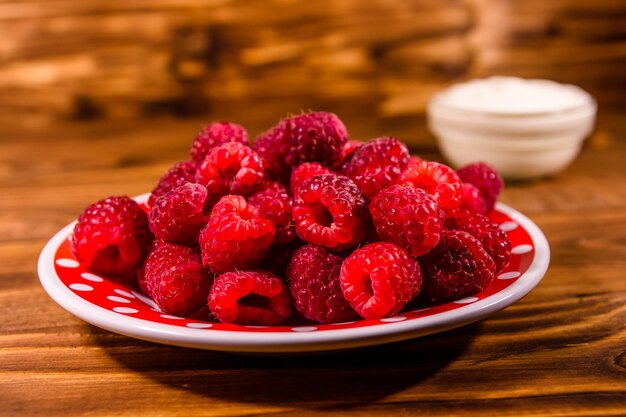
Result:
<point x="560" y="351"/>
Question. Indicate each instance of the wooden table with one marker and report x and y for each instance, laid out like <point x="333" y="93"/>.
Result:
<point x="559" y="351"/>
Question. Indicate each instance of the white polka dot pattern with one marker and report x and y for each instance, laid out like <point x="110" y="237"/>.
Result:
<point x="521" y="249"/>
<point x="81" y="287"/>
<point x="509" y="275"/>
<point x="118" y="299"/>
<point x="67" y="263"/>
<point x="125" y="310"/>
<point x="304" y="329"/>
<point x="124" y="293"/>
<point x="167" y="316"/>
<point x="509" y="226"/>
<point x="199" y="325"/>
<point x="91" y="277"/>
<point x="466" y="300"/>
<point x="393" y="319"/>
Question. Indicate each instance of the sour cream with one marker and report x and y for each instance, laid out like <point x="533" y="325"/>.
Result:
<point x="524" y="128"/>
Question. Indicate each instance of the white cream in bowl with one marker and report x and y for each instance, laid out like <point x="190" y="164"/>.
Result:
<point x="524" y="128"/>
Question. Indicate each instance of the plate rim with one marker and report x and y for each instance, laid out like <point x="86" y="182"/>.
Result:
<point x="293" y="341"/>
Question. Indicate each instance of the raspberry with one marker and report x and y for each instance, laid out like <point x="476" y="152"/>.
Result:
<point x="235" y="237"/>
<point x="472" y="199"/>
<point x="457" y="267"/>
<point x="231" y="168"/>
<point x="346" y="153"/>
<point x="178" y="217"/>
<point x="313" y="276"/>
<point x="377" y="164"/>
<point x="437" y="179"/>
<point x="379" y="279"/>
<point x="304" y="172"/>
<point x="314" y="137"/>
<point x="274" y="203"/>
<point x="272" y="147"/>
<point x="330" y="211"/>
<point x="176" y="176"/>
<point x="486" y="179"/>
<point x="175" y="279"/>
<point x="214" y="135"/>
<point x="407" y="217"/>
<point x="493" y="239"/>
<point x="250" y="297"/>
<point x="112" y="237"/>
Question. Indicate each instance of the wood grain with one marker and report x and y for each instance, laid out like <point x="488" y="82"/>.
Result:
<point x="254" y="61"/>
<point x="561" y="351"/>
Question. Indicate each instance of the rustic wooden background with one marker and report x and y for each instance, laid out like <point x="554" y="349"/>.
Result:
<point x="373" y="62"/>
<point x="99" y="97"/>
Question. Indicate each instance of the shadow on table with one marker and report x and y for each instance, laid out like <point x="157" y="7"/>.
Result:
<point x="346" y="378"/>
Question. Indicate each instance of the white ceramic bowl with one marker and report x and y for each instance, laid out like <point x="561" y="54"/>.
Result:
<point x="519" y="142"/>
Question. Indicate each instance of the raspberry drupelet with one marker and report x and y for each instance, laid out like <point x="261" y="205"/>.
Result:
<point x="231" y="168"/>
<point x="274" y="203"/>
<point x="176" y="176"/>
<point x="235" y="237"/>
<point x="304" y="172"/>
<point x="437" y="179"/>
<point x="313" y="137"/>
<point x="250" y="298"/>
<point x="408" y="217"/>
<point x="493" y="239"/>
<point x="216" y="134"/>
<point x="313" y="276"/>
<point x="272" y="146"/>
<point x="486" y="179"/>
<point x="178" y="216"/>
<point x="175" y="279"/>
<point x="457" y="267"/>
<point x="472" y="199"/>
<point x="330" y="211"/>
<point x="377" y="164"/>
<point x="112" y="237"/>
<point x="379" y="279"/>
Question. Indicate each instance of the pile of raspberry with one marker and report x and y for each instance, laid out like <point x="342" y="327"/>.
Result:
<point x="303" y="225"/>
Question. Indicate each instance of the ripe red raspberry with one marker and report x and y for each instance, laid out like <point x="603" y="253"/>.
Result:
<point x="377" y="164"/>
<point x="486" y="179"/>
<point x="472" y="199"/>
<point x="379" y="279"/>
<point x="346" y="153"/>
<point x="457" y="267"/>
<point x="178" y="216"/>
<point x="272" y="146"/>
<point x="112" y="237"/>
<point x="176" y="176"/>
<point x="235" y="237"/>
<point x="313" y="276"/>
<point x="214" y="135"/>
<point x="314" y="137"/>
<point x="175" y="279"/>
<point x="493" y="239"/>
<point x="231" y="168"/>
<point x="304" y="172"/>
<point x="437" y="179"/>
<point x="408" y="217"/>
<point x="275" y="203"/>
<point x="330" y="211"/>
<point x="250" y="297"/>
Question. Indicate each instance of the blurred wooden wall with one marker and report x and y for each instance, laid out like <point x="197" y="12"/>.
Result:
<point x="374" y="62"/>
